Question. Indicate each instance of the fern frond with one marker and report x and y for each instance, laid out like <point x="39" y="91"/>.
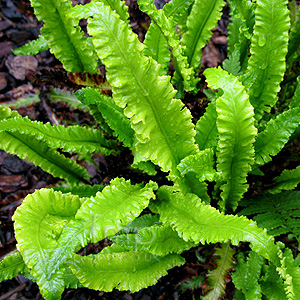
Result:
<point x="240" y="30"/>
<point x="124" y="271"/>
<point x="43" y="156"/>
<point x="247" y="274"/>
<point x="83" y="191"/>
<point x="235" y="122"/>
<point x="203" y="18"/>
<point x="295" y="101"/>
<point x="177" y="9"/>
<point x="155" y="42"/>
<point x="163" y="129"/>
<point x="22" y="102"/>
<point x="156" y="47"/>
<point x="7" y="113"/>
<point x="194" y="186"/>
<point x="276" y="134"/>
<point x="58" y="95"/>
<point x="12" y="266"/>
<point x="232" y="64"/>
<point x="46" y="212"/>
<point x="70" y="139"/>
<point x="167" y="27"/>
<point x="290" y="273"/>
<point x="279" y="213"/>
<point x="60" y="225"/>
<point x="268" y="50"/>
<point x="32" y="48"/>
<point x="65" y="40"/>
<point x="202" y="164"/>
<point x="28" y="147"/>
<point x="200" y="223"/>
<point x="111" y="113"/>
<point x="84" y="11"/>
<point x="271" y="283"/>
<point x="143" y="164"/>
<point x="157" y="240"/>
<point x="287" y="180"/>
<point x="140" y="223"/>
<point x="294" y="41"/>
<point x="108" y="212"/>
<point x="206" y="128"/>
<point x="216" y="277"/>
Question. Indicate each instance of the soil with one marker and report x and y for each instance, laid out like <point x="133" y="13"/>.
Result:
<point x="19" y="178"/>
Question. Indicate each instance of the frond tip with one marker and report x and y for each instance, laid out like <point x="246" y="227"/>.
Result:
<point x="200" y="223"/>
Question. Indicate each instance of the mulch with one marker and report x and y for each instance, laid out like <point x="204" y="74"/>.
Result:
<point x="19" y="178"/>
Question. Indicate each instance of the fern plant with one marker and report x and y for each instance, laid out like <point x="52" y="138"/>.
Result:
<point x="237" y="135"/>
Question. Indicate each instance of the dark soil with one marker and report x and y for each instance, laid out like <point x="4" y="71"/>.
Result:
<point x="19" y="178"/>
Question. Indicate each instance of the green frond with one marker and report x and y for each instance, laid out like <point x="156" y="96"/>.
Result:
<point x="167" y="27"/>
<point x="268" y="50"/>
<point x="140" y="223"/>
<point x="93" y="109"/>
<point x="69" y="139"/>
<point x="247" y="274"/>
<point x="60" y="225"/>
<point x="65" y="39"/>
<point x="200" y="223"/>
<point x="142" y="164"/>
<point x="194" y="282"/>
<point x="12" y="266"/>
<point x="124" y="271"/>
<point x="295" y="101"/>
<point x="202" y="164"/>
<point x="287" y="180"/>
<point x="155" y="42"/>
<point x="32" y="48"/>
<point x="41" y="155"/>
<point x="294" y="41"/>
<point x="163" y="129"/>
<point x="39" y="222"/>
<point x="194" y="186"/>
<point x="275" y="135"/>
<point x="7" y="113"/>
<point x="84" y="11"/>
<point x="216" y="277"/>
<point x="22" y="102"/>
<point x="67" y="97"/>
<point x="111" y="113"/>
<point x="206" y="128"/>
<point x="294" y="10"/>
<point x="99" y="217"/>
<point x="178" y="9"/>
<point x="71" y="281"/>
<point x="271" y="283"/>
<point x="203" y="18"/>
<point x="83" y="191"/>
<point x="232" y="64"/>
<point x="235" y="123"/>
<point x="108" y="212"/>
<point x="290" y="273"/>
<point x="156" y="46"/>
<point x="277" y="213"/>
<point x="240" y="30"/>
<point x="157" y="240"/>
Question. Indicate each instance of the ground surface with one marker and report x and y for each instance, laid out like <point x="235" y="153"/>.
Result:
<point x="19" y="177"/>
